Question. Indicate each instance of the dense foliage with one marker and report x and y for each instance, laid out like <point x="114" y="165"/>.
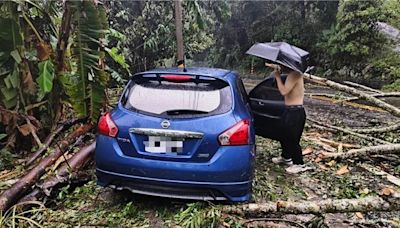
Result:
<point x="57" y="55"/>
<point x="51" y="57"/>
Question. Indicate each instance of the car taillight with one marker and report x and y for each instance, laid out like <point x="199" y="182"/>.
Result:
<point x="107" y="126"/>
<point x="236" y="135"/>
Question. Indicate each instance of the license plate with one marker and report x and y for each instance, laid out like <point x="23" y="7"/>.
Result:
<point x="163" y="144"/>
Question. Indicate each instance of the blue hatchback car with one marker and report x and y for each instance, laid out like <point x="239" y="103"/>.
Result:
<point x="185" y="134"/>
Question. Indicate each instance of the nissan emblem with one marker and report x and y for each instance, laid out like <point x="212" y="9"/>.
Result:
<point x="165" y="124"/>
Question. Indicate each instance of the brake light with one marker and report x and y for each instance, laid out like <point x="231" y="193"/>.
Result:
<point x="176" y="77"/>
<point x="107" y="126"/>
<point x="238" y="134"/>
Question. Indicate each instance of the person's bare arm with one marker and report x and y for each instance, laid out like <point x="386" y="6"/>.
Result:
<point x="285" y="88"/>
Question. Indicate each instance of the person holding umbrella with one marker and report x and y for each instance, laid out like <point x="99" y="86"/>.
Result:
<point x="293" y="60"/>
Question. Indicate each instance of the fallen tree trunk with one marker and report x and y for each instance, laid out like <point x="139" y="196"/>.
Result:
<point x="379" y="172"/>
<point x="50" y="139"/>
<point x="362" y="87"/>
<point x="363" y="152"/>
<point x="345" y="98"/>
<point x="63" y="174"/>
<point x="348" y="131"/>
<point x="314" y="207"/>
<point x="389" y="128"/>
<point x="349" y="103"/>
<point x="17" y="190"/>
<point x="388" y="107"/>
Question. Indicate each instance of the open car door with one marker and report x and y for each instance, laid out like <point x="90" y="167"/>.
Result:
<point x="267" y="105"/>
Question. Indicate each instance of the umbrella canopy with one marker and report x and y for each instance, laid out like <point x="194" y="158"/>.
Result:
<point x="283" y="53"/>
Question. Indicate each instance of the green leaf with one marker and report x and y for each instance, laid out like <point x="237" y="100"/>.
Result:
<point x="12" y="80"/>
<point x="16" y="56"/>
<point x="2" y="136"/>
<point x="46" y="77"/>
<point x="8" y="94"/>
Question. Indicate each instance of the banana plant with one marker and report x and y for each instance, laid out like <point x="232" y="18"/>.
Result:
<point x="86" y="83"/>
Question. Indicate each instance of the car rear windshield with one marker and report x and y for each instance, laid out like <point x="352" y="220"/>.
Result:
<point x="180" y="96"/>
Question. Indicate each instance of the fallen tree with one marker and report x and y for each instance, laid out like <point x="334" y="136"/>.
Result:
<point x="362" y="87"/>
<point x="389" y="128"/>
<point x="363" y="152"/>
<point x="350" y="90"/>
<point x="367" y="204"/>
<point x="67" y="171"/>
<point x="17" y="190"/>
<point x="50" y="138"/>
<point x="345" y="98"/>
<point x="347" y="131"/>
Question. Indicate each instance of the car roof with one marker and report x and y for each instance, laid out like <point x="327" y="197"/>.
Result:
<point x="205" y="71"/>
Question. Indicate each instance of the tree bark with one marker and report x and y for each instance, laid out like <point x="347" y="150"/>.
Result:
<point x="63" y="174"/>
<point x="389" y="128"/>
<point x="178" y="32"/>
<point x="348" y="131"/>
<point x="379" y="172"/>
<point x="362" y="87"/>
<point x="364" y="152"/>
<point x="50" y="139"/>
<point x="314" y="207"/>
<point x="381" y="104"/>
<point x="333" y="96"/>
<point x="17" y="190"/>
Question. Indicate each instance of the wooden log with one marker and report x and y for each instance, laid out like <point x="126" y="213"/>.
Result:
<point x="63" y="174"/>
<point x="346" y="98"/>
<point x="389" y="128"/>
<point x="366" y="204"/>
<point x="364" y="152"/>
<point x="379" y="172"/>
<point x="17" y="190"/>
<point x="50" y="139"/>
<point x="377" y="95"/>
<point x="388" y="107"/>
<point x="348" y="131"/>
<point x="362" y="87"/>
<point x="337" y="144"/>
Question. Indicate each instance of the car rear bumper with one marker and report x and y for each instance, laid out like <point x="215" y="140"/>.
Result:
<point x="227" y="176"/>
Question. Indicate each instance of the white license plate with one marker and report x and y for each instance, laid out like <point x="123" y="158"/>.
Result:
<point x="163" y="144"/>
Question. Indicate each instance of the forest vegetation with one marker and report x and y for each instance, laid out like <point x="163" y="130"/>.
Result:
<point x="64" y="63"/>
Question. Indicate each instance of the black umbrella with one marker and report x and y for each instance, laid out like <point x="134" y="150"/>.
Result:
<point x="283" y="53"/>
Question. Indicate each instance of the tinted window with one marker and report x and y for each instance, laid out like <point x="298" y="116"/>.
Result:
<point x="242" y="91"/>
<point x="197" y="97"/>
<point x="267" y="90"/>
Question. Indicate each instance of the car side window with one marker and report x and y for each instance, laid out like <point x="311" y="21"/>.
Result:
<point x="242" y="91"/>
<point x="267" y="90"/>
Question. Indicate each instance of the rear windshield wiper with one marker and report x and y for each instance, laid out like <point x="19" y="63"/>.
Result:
<point x="176" y="112"/>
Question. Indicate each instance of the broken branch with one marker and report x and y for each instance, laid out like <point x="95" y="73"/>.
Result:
<point x="389" y="128"/>
<point x="50" y="139"/>
<point x="17" y="190"/>
<point x="63" y="174"/>
<point x="363" y="152"/>
<point x="388" y="107"/>
<point x="362" y="86"/>
<point x="348" y="131"/>
<point x="314" y="207"/>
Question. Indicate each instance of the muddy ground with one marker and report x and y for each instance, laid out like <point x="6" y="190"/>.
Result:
<point x="87" y="205"/>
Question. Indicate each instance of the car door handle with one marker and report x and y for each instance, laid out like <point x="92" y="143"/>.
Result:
<point x="261" y="103"/>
